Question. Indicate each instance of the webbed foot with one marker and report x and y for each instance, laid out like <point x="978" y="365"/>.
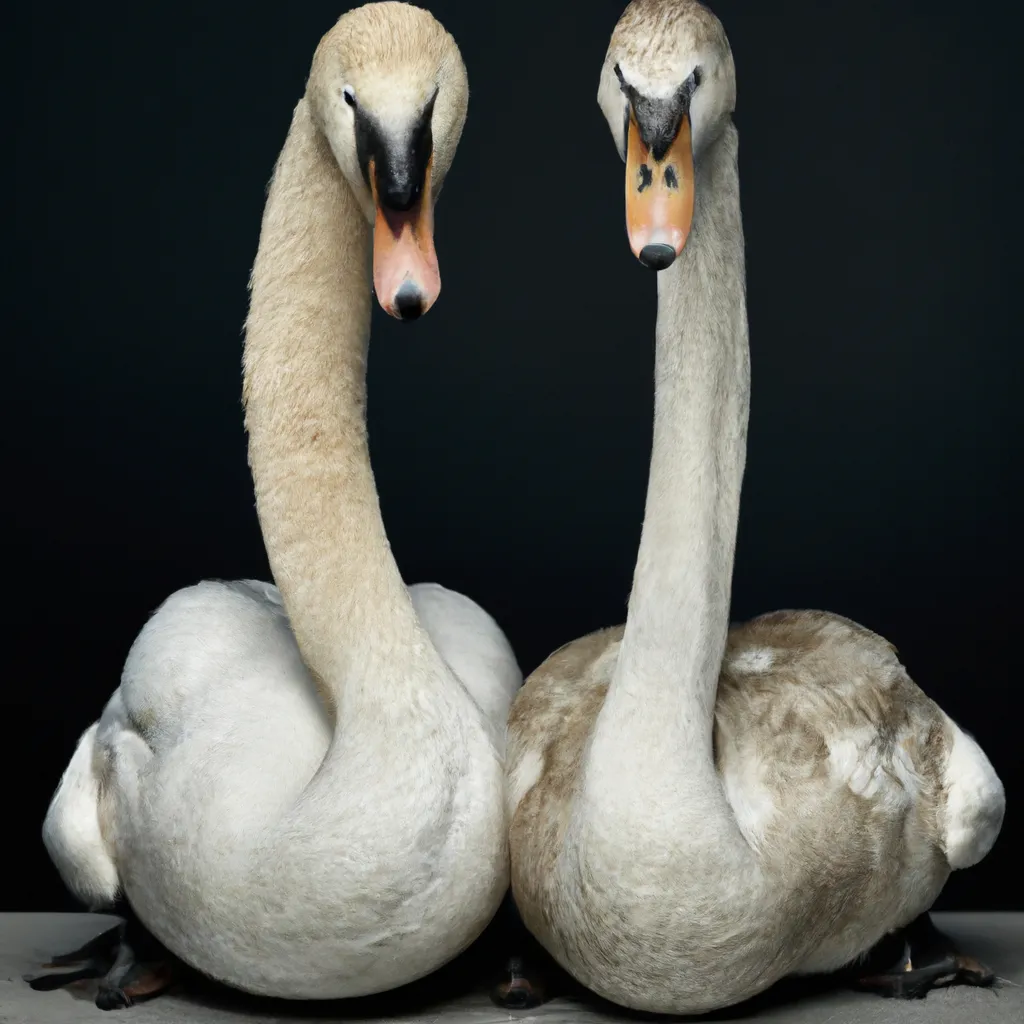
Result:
<point x="129" y="962"/>
<point x="520" y="988"/>
<point x="136" y="983"/>
<point x="928" y="959"/>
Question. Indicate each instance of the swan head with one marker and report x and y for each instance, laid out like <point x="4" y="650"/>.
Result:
<point x="388" y="89"/>
<point x="668" y="84"/>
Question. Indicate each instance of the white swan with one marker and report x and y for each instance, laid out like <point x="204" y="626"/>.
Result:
<point x="300" y="790"/>
<point x="695" y="812"/>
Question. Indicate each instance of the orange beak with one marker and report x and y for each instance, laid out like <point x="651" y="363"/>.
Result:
<point x="405" y="273"/>
<point x="659" y="196"/>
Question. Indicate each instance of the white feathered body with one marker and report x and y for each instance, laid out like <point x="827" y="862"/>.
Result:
<point x="192" y="795"/>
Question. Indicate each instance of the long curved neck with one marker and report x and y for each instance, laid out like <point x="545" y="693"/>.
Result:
<point x="305" y="399"/>
<point x="654" y="734"/>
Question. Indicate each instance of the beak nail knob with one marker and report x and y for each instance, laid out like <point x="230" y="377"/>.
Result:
<point x="657" y="255"/>
<point x="408" y="301"/>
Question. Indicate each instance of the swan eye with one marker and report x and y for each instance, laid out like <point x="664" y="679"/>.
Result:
<point x="696" y="77"/>
<point x="350" y="96"/>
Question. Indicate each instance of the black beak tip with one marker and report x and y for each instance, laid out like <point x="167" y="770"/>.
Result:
<point x="657" y="255"/>
<point x="408" y="302"/>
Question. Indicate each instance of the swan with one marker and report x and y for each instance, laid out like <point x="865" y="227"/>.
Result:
<point x="299" y="788"/>
<point x="696" y="812"/>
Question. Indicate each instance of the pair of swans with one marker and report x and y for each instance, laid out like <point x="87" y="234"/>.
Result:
<point x="299" y="789"/>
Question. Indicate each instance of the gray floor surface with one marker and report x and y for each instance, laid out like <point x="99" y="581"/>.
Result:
<point x="26" y="940"/>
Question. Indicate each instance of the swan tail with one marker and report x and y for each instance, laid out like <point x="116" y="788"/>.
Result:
<point x="975" y="801"/>
<point x="72" y="834"/>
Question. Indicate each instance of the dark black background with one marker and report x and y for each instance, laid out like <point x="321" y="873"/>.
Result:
<point x="511" y="427"/>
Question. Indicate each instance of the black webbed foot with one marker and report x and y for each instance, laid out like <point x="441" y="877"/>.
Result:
<point x="924" y="959"/>
<point x="130" y="963"/>
<point x="529" y="976"/>
<point x="92" y="960"/>
<point x="138" y="982"/>
<point x="520" y="988"/>
<point x="103" y="946"/>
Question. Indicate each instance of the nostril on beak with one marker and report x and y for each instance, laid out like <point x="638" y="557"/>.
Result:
<point x="657" y="255"/>
<point x="408" y="301"/>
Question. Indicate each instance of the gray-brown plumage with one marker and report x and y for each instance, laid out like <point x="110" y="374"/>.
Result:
<point x="698" y="811"/>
